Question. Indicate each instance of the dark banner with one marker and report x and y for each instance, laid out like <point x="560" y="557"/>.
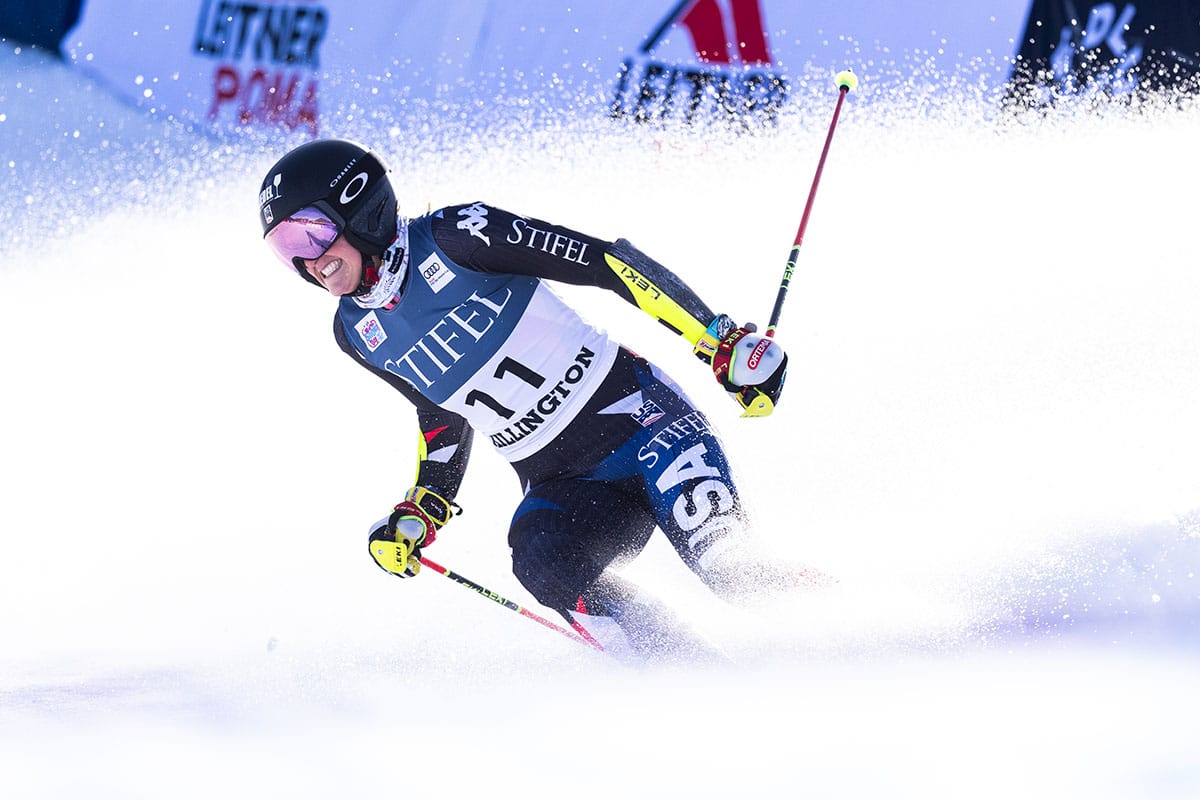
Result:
<point x="43" y="23"/>
<point x="1114" y="49"/>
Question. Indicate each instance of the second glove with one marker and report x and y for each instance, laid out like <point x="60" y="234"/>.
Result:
<point x="395" y="543"/>
<point x="752" y="368"/>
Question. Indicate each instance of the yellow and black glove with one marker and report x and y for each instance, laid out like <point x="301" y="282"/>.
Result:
<point x="395" y="542"/>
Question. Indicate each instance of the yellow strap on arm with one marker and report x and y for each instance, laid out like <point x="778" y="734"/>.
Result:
<point x="439" y="509"/>
<point x="436" y="507"/>
<point x="422" y="453"/>
<point x="655" y="302"/>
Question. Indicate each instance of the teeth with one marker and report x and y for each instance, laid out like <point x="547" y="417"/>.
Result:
<point x="331" y="267"/>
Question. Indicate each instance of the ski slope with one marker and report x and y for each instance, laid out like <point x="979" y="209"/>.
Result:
<point x="989" y="436"/>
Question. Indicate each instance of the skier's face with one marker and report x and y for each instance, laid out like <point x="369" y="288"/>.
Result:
<point x="338" y="269"/>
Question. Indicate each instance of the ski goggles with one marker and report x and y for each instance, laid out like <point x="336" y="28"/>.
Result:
<point x="304" y="235"/>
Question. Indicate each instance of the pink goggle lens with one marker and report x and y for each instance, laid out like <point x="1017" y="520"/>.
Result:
<point x="306" y="234"/>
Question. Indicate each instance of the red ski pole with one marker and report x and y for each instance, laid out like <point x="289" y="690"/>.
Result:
<point x="580" y="633"/>
<point x="845" y="81"/>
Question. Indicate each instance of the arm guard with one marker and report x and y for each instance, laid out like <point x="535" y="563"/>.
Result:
<point x="658" y="291"/>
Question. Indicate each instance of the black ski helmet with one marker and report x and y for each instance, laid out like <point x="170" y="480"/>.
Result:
<point x="341" y="178"/>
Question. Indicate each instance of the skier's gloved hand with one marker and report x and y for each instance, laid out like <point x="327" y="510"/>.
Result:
<point x="395" y="542"/>
<point x="752" y="368"/>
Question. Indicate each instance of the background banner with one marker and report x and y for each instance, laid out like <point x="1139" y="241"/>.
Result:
<point x="236" y="65"/>
<point x="43" y="23"/>
<point x="1112" y="48"/>
<point x="229" y="64"/>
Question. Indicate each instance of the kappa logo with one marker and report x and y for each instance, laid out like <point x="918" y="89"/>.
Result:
<point x="722" y="32"/>
<point x="474" y="220"/>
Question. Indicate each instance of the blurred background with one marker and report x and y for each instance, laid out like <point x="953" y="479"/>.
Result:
<point x="989" y="435"/>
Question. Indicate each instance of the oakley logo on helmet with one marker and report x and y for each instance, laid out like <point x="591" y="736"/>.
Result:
<point x="342" y="174"/>
<point x="354" y="188"/>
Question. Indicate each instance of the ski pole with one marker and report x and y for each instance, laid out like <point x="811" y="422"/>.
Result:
<point x="846" y="81"/>
<point x="580" y="633"/>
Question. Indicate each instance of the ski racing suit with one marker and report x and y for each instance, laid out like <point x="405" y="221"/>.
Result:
<point x="605" y="445"/>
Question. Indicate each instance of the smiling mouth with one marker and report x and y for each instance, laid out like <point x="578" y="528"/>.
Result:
<point x="331" y="267"/>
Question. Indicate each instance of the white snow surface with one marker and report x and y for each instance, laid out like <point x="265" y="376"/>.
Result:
<point x="989" y="436"/>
